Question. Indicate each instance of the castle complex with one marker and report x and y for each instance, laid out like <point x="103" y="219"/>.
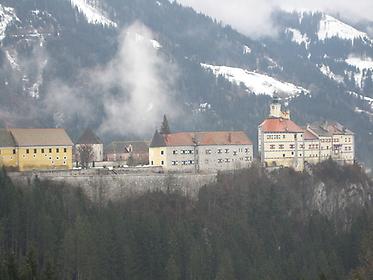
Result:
<point x="283" y="143"/>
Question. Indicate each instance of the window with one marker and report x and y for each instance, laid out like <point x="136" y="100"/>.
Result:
<point x="27" y="151"/>
<point x="283" y="155"/>
<point x="284" y="136"/>
<point x="220" y="160"/>
<point x="281" y="146"/>
<point x="191" y="162"/>
<point x="247" y="158"/>
<point x="234" y="153"/>
<point x="174" y="163"/>
<point x="174" y="152"/>
<point x="50" y="150"/>
<point x="191" y="152"/>
<point x="227" y="160"/>
<point x="162" y="162"/>
<point x="272" y="147"/>
<point x="42" y="151"/>
<point x="162" y="152"/>
<point x="247" y="150"/>
<point x="57" y="150"/>
<point x="14" y="151"/>
<point x="50" y="158"/>
<point x="152" y="163"/>
<point x="57" y="158"/>
<point x="35" y="151"/>
<point x="64" y="150"/>
<point x="64" y="163"/>
<point x="219" y="151"/>
<point x="64" y="157"/>
<point x="208" y="152"/>
<point x="292" y="146"/>
<point x="226" y="151"/>
<point x="34" y="156"/>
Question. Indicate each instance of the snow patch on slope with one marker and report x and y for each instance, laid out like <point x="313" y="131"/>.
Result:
<point x="329" y="73"/>
<point x="7" y="15"/>
<point x="255" y="82"/>
<point x="362" y="65"/>
<point x="92" y="14"/>
<point x="331" y="27"/>
<point x="298" y="37"/>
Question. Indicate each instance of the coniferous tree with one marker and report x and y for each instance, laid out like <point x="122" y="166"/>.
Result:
<point x="165" y="128"/>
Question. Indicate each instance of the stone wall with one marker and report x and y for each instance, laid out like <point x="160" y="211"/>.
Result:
<point x="102" y="186"/>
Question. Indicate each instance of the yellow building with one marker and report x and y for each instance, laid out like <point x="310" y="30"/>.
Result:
<point x="8" y="150"/>
<point x="36" y="149"/>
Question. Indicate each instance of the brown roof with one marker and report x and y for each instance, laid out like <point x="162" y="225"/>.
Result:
<point x="6" y="139"/>
<point x="89" y="137"/>
<point x="280" y="125"/>
<point x="308" y="135"/>
<point x="40" y="137"/>
<point x="206" y="138"/>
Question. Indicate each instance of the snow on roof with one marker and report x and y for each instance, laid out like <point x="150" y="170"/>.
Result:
<point x="255" y="82"/>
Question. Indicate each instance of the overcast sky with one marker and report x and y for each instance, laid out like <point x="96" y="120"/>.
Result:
<point x="252" y="17"/>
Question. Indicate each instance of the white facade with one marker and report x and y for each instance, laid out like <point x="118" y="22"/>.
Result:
<point x="281" y="143"/>
<point x="97" y="151"/>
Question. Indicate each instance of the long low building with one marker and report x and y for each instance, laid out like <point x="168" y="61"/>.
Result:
<point x="35" y="149"/>
<point x="201" y="151"/>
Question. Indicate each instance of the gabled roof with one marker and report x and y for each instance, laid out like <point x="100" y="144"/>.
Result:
<point x="201" y="139"/>
<point x="158" y="140"/>
<point x="25" y="137"/>
<point x="6" y="139"/>
<point x="278" y="125"/>
<point x="89" y="137"/>
<point x="309" y="135"/>
<point x="327" y="128"/>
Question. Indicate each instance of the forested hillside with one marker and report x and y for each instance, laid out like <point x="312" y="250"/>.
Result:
<point x="249" y="225"/>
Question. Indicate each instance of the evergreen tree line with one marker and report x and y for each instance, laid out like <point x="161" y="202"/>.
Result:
<point x="248" y="225"/>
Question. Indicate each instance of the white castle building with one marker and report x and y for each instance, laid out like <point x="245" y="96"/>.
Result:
<point x="281" y="142"/>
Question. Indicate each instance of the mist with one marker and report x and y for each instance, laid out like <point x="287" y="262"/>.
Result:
<point x="253" y="17"/>
<point x="133" y="90"/>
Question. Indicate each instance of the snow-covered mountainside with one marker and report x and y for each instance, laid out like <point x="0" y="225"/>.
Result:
<point x="257" y="83"/>
<point x="7" y="15"/>
<point x="93" y="14"/>
<point x="331" y="27"/>
<point x="50" y="50"/>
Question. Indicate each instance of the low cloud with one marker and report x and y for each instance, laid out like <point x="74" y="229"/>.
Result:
<point x="128" y="96"/>
<point x="253" y="17"/>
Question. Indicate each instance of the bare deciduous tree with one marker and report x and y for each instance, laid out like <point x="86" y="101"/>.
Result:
<point x="85" y="153"/>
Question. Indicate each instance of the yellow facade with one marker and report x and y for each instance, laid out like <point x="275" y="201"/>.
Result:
<point x="157" y="156"/>
<point x="45" y="158"/>
<point x="9" y="157"/>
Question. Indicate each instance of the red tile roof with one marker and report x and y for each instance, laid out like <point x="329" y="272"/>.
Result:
<point x="280" y="125"/>
<point x="207" y="138"/>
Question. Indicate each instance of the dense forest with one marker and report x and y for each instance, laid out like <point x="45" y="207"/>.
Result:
<point x="249" y="225"/>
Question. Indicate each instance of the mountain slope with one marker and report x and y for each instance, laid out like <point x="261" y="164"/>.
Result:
<point x="64" y="63"/>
